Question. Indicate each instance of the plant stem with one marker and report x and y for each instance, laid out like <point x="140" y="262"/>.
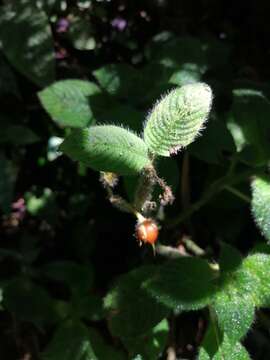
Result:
<point x="169" y="252"/>
<point x="212" y="190"/>
<point x="238" y="193"/>
<point x="193" y="247"/>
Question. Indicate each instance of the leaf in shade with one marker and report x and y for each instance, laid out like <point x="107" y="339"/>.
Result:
<point x="27" y="41"/>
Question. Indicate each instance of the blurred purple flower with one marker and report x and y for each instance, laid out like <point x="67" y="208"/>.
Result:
<point x="119" y="23"/>
<point x="61" y="54"/>
<point x="19" y="209"/>
<point x="62" y="25"/>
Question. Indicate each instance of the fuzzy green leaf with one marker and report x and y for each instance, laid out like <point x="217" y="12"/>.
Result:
<point x="107" y="148"/>
<point x="67" y="102"/>
<point x="226" y="351"/>
<point x="27" y="41"/>
<point x="183" y="284"/>
<point x="132" y="311"/>
<point x="261" y="204"/>
<point x="235" y="311"/>
<point x="178" y="118"/>
<point x="257" y="266"/>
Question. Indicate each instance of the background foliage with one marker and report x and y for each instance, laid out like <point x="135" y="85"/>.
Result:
<point x="74" y="283"/>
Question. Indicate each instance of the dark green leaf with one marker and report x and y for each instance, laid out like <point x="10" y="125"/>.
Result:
<point x="71" y="341"/>
<point x="183" y="284"/>
<point x="132" y="311"/>
<point x="8" y="175"/>
<point x="18" y="135"/>
<point x="27" y="41"/>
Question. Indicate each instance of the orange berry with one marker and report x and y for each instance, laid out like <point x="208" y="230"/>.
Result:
<point x="147" y="231"/>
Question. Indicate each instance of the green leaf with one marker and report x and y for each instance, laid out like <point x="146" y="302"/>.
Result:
<point x="235" y="311"/>
<point x="257" y="267"/>
<point x="226" y="351"/>
<point x="27" y="41"/>
<point x="68" y="102"/>
<point x="102" y="349"/>
<point x="230" y="258"/>
<point x="107" y="148"/>
<point x="81" y="34"/>
<point x="260" y="204"/>
<point x="132" y="311"/>
<point x="78" y="277"/>
<point x="182" y="284"/>
<point x="18" y="135"/>
<point x="151" y="345"/>
<point x="28" y="302"/>
<point x="178" y="118"/>
<point x="249" y="126"/>
<point x="8" y="175"/>
<point x="119" y="80"/>
<point x="71" y="341"/>
<point x="8" y="83"/>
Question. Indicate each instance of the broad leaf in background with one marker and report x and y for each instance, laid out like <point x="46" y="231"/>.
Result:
<point x="27" y="41"/>
<point x="260" y="204"/>
<point x="107" y="148"/>
<point x="71" y="341"/>
<point x="177" y="119"/>
<point x="249" y="125"/>
<point x="8" y="175"/>
<point x="29" y="302"/>
<point x="150" y="345"/>
<point x="67" y="102"/>
<point x="182" y="284"/>
<point x="132" y="311"/>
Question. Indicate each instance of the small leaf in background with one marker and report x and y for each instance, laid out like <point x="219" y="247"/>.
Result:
<point x="132" y="311"/>
<point x="27" y="41"/>
<point x="80" y="33"/>
<point x="215" y="141"/>
<point x="18" y="135"/>
<point x="182" y="284"/>
<point x="260" y="204"/>
<point x="67" y="102"/>
<point x="150" y="345"/>
<point x="107" y="148"/>
<point x="178" y="118"/>
<point x="71" y="341"/>
<point x="43" y="206"/>
<point x="119" y="80"/>
<point x="249" y="125"/>
<point x="8" y="175"/>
